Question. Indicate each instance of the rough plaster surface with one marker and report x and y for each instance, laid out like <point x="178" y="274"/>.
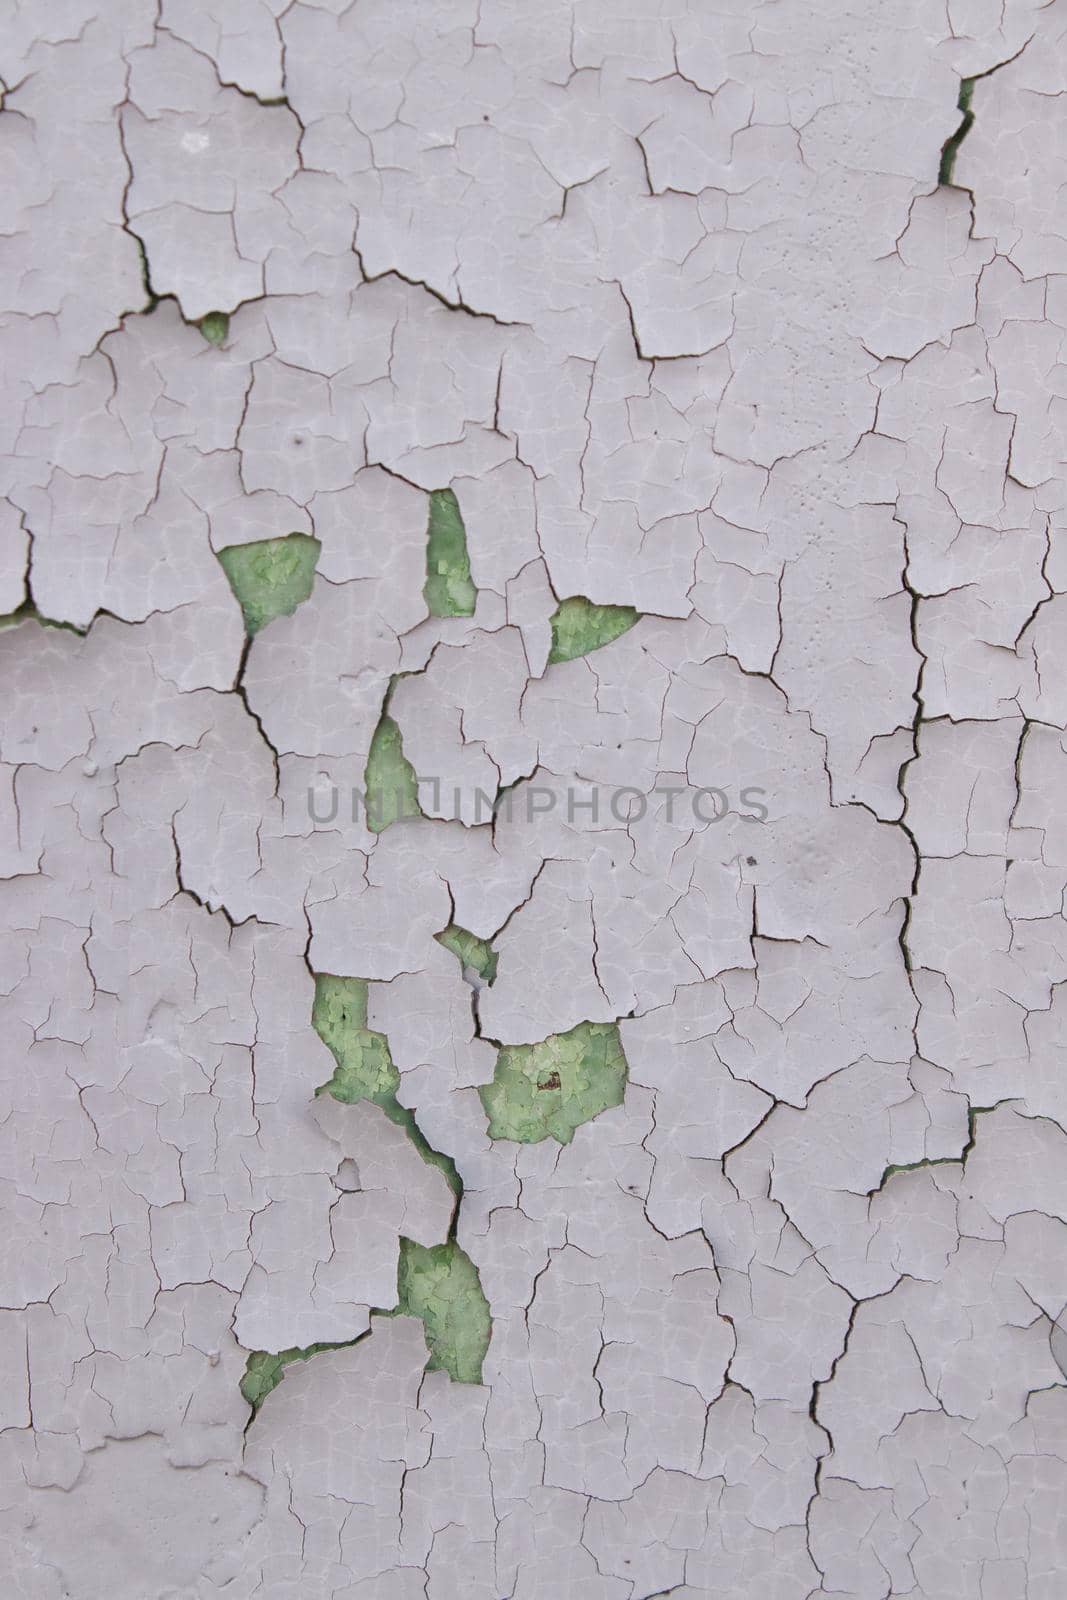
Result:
<point x="671" y="300"/>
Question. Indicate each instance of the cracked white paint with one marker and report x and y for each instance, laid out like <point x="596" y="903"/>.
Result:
<point x="671" y="298"/>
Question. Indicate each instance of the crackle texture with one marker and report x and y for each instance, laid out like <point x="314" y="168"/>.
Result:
<point x="533" y="567"/>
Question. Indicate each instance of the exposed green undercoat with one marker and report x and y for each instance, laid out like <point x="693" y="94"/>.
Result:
<point x="449" y="590"/>
<point x="470" y="951"/>
<point x="365" y="1068"/>
<point x="442" y="1287"/>
<point x="579" y="626"/>
<point x="547" y="1090"/>
<point x="389" y="779"/>
<point x="265" y="1369"/>
<point x="952" y="144"/>
<point x="271" y="577"/>
<point x="28" y="612"/>
<point x="215" y="326"/>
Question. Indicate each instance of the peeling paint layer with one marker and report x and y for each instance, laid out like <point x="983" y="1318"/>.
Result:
<point x="534" y="975"/>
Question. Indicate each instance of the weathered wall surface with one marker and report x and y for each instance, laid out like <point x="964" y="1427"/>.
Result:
<point x="621" y="1153"/>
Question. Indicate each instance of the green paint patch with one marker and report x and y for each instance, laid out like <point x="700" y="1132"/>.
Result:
<point x="547" y="1090"/>
<point x="579" y="626"/>
<point x="952" y="144"/>
<point x="449" y="590"/>
<point x="28" y="612"/>
<point x="441" y="1286"/>
<point x="271" y="577"/>
<point x="470" y="951"/>
<point x="365" y="1068"/>
<point x="389" y="780"/>
<point x="215" y="326"/>
<point x="265" y="1370"/>
<point x="917" y="1166"/>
